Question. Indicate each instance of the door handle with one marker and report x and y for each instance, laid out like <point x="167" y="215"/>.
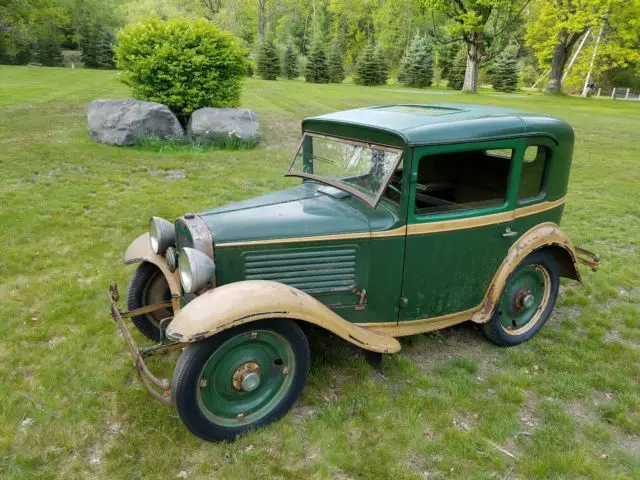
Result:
<point x="509" y="233"/>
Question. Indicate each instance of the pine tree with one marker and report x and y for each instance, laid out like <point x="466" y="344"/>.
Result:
<point x="105" y="58"/>
<point x="89" y="44"/>
<point x="336" y="63"/>
<point x="290" y="62"/>
<point x="416" y="67"/>
<point x="505" y="71"/>
<point x="268" y="63"/>
<point x="458" y="69"/>
<point x="371" y="68"/>
<point x="446" y="55"/>
<point x="317" y="69"/>
<point x="49" y="48"/>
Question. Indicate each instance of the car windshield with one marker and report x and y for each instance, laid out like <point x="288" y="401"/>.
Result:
<point x="359" y="168"/>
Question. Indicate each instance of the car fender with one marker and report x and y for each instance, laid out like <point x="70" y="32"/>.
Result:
<point x="247" y="301"/>
<point x="544" y="235"/>
<point x="140" y="251"/>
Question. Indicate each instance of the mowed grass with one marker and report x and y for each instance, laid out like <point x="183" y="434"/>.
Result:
<point x="449" y="405"/>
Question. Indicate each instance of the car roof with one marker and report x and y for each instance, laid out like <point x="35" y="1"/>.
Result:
<point x="415" y="124"/>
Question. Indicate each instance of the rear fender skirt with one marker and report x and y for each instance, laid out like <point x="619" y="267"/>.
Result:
<point x="543" y="236"/>
<point x="140" y="251"/>
<point x="247" y="301"/>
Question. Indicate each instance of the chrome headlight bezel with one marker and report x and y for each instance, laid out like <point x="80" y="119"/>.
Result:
<point x="196" y="269"/>
<point x="162" y="235"/>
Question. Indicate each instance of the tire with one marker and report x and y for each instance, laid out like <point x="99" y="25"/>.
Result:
<point x="513" y="321"/>
<point x="148" y="286"/>
<point x="209" y="379"/>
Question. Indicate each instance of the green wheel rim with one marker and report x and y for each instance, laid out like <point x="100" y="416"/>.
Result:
<point x="246" y="378"/>
<point x="524" y="299"/>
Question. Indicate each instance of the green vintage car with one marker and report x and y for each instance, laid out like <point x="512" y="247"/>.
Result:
<point x="408" y="219"/>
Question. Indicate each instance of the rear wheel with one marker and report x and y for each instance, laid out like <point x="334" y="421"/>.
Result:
<point x="241" y="379"/>
<point x="148" y="286"/>
<point x="526" y="302"/>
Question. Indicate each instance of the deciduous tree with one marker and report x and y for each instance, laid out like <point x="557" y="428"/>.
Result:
<point x="478" y="23"/>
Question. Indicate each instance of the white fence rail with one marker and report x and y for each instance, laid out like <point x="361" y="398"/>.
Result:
<point x="619" y="94"/>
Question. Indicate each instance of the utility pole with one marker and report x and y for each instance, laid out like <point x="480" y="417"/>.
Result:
<point x="585" y="89"/>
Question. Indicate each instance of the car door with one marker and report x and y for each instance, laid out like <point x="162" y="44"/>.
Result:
<point x="459" y="230"/>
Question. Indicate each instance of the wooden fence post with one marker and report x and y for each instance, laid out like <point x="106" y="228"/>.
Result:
<point x="613" y="94"/>
<point x="626" y="95"/>
<point x="599" y="90"/>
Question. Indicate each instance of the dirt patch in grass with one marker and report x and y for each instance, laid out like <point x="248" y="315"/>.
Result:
<point x="464" y="340"/>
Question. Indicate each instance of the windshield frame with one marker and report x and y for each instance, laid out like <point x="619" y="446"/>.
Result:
<point x="373" y="201"/>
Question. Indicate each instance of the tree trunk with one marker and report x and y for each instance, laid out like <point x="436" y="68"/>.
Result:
<point x="474" y="53"/>
<point x="262" y="19"/>
<point x="558" y="62"/>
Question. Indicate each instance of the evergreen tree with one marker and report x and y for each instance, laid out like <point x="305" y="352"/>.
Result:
<point x="290" y="62"/>
<point x="49" y="48"/>
<point x="336" y="63"/>
<point x="268" y="63"/>
<point x="416" y="67"/>
<point x="105" y="56"/>
<point x="317" y="69"/>
<point x="371" y="68"/>
<point x="89" y="44"/>
<point x="505" y="72"/>
<point x="458" y="69"/>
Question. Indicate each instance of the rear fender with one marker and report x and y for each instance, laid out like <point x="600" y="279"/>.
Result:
<point x="543" y="236"/>
<point x="247" y="301"/>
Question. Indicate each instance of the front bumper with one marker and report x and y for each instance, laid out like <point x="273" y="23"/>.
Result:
<point x="159" y="388"/>
<point x="585" y="257"/>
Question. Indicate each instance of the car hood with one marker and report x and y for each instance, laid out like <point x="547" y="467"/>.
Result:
<point x="301" y="211"/>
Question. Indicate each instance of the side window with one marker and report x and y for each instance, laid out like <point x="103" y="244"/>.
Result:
<point x="462" y="180"/>
<point x="533" y="170"/>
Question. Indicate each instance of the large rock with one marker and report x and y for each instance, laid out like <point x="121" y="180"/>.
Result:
<point x="120" y="122"/>
<point x="212" y="123"/>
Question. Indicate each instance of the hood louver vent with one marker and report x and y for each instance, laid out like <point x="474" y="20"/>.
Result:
<point x="313" y="271"/>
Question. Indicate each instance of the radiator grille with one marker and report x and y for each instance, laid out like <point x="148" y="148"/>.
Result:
<point x="313" y="271"/>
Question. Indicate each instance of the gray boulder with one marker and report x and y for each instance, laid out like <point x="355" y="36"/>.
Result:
<point x="120" y="122"/>
<point x="211" y="123"/>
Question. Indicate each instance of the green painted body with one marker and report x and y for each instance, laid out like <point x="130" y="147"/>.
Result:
<point x="429" y="274"/>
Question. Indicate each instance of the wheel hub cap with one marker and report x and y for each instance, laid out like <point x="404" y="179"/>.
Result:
<point x="246" y="378"/>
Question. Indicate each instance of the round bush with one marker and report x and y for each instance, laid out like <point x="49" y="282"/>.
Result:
<point x="184" y="64"/>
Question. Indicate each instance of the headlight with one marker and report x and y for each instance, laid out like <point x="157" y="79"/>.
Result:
<point x="196" y="269"/>
<point x="162" y="235"/>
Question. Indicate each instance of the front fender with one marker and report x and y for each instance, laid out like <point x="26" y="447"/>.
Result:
<point x="140" y="251"/>
<point x="545" y="235"/>
<point x="247" y="301"/>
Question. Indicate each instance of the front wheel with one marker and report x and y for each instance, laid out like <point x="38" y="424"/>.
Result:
<point x="526" y="302"/>
<point x="241" y="379"/>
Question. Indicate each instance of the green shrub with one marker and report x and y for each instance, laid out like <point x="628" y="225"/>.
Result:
<point x="371" y="68"/>
<point x="416" y="66"/>
<point x="268" y="63"/>
<point x="184" y="64"/>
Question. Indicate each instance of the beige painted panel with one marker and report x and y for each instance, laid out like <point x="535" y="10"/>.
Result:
<point x="250" y="300"/>
<point x="140" y="251"/>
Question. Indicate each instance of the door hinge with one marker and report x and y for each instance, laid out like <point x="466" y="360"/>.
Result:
<point x="404" y="302"/>
<point x="362" y="302"/>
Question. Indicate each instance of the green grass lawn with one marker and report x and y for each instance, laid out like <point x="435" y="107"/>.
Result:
<point x="564" y="405"/>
